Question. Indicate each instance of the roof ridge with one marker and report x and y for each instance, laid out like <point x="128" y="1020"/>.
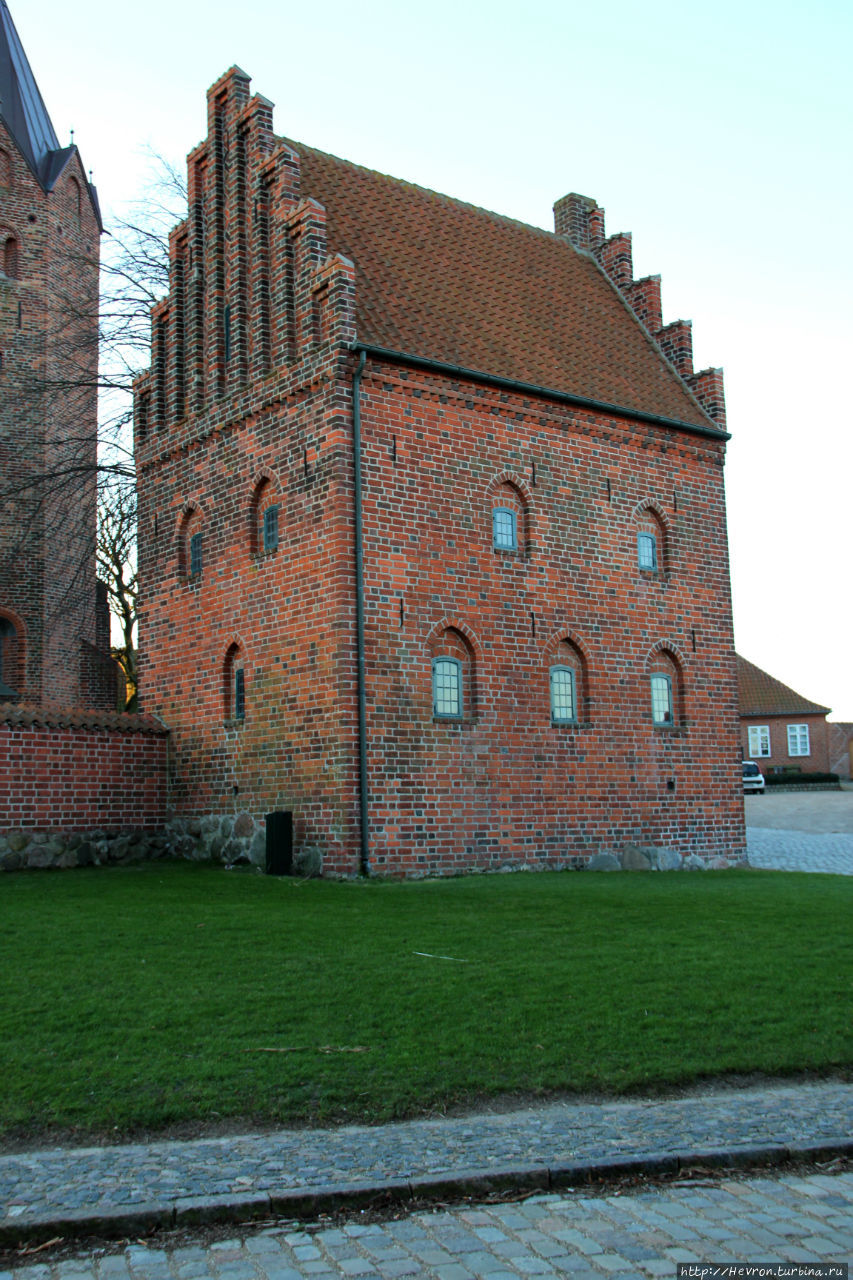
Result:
<point x="430" y="191"/>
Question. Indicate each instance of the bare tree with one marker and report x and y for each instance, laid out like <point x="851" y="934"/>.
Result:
<point x="117" y="569"/>
<point x="98" y="346"/>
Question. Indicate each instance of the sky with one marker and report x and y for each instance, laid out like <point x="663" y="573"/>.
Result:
<point x="719" y="135"/>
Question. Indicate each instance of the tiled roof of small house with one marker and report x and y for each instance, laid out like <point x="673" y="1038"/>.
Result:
<point x="442" y="279"/>
<point x="760" y="695"/>
<point x="24" y="715"/>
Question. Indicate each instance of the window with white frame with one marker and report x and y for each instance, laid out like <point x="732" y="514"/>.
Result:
<point x="563" y="702"/>
<point x="447" y="688"/>
<point x="661" y="699"/>
<point x="504" y="529"/>
<point x="759" y="740"/>
<point x="798" y="740"/>
<point x="647" y="551"/>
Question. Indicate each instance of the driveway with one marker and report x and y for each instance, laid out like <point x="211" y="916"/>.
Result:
<point x="813" y="811"/>
<point x="801" y="831"/>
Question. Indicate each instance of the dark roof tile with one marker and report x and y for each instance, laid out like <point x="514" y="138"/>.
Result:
<point x="442" y="279"/>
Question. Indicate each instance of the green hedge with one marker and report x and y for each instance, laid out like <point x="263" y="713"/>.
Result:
<point x="800" y="779"/>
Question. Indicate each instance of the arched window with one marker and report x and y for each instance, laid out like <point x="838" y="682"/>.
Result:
<point x="567" y="682"/>
<point x="509" y="518"/>
<point x="190" y="544"/>
<point x="652" y="542"/>
<point x="11" y="261"/>
<point x="666" y="690"/>
<point x="10" y="674"/>
<point x="454" y="689"/>
<point x="75" y="197"/>
<point x="234" y="684"/>
<point x="265" y="518"/>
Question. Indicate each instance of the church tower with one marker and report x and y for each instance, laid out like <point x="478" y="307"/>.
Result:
<point x="54" y="629"/>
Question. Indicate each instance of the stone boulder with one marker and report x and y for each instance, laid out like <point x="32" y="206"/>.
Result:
<point x="603" y="862"/>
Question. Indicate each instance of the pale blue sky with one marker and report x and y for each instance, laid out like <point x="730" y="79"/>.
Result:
<point x="718" y="134"/>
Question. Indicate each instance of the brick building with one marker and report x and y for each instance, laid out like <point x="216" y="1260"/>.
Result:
<point x="68" y="762"/>
<point x="432" y="527"/>
<point x="54" y="625"/>
<point x="780" y="728"/>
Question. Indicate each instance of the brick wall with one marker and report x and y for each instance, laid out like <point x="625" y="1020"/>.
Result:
<point x="249" y="405"/>
<point x="71" y="772"/>
<point x="817" y="761"/>
<point x="49" y="248"/>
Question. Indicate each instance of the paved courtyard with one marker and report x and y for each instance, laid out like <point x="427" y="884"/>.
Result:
<point x="801" y="831"/>
<point x="787" y="1218"/>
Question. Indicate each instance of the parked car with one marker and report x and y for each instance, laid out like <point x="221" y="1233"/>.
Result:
<point x="753" y="778"/>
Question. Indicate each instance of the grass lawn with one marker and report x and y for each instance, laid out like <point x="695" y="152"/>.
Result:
<point x="146" y="996"/>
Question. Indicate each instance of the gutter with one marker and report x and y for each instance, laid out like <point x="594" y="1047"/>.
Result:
<point x="530" y="388"/>
<point x="363" y="799"/>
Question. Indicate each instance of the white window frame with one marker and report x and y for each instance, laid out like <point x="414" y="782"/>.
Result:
<point x="799" y="743"/>
<point x="447" y="673"/>
<point x="647" y="540"/>
<point x="558" y="676"/>
<point x="504" y="538"/>
<point x="661" y="687"/>
<point x="759" y="741"/>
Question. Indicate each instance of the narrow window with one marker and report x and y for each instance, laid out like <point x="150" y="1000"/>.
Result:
<point x="227" y="333"/>
<point x="504" y="529"/>
<point x="195" y="555"/>
<point x="447" y="688"/>
<point x="10" y="257"/>
<point x="7" y="634"/>
<point x="798" y="740"/>
<point x="661" y="700"/>
<point x="563" y="709"/>
<point x="271" y="529"/>
<point x="239" y="694"/>
<point x="647" y="551"/>
<point x="759" y="740"/>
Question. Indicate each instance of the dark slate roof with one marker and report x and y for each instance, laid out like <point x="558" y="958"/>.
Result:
<point x="760" y="695"/>
<point x="21" y="104"/>
<point x="442" y="279"/>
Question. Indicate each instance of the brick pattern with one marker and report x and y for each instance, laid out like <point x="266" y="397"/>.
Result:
<point x="48" y="340"/>
<point x="502" y="786"/>
<point x="58" y="774"/>
<point x="817" y="761"/>
<point x="581" y="221"/>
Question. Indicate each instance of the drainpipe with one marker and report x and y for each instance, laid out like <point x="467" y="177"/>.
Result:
<point x="364" y="861"/>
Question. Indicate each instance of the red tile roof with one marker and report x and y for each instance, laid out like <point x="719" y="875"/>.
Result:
<point x="760" y="695"/>
<point x="442" y="279"/>
<point x="24" y="715"/>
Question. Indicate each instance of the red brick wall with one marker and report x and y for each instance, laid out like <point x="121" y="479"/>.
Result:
<point x="502" y="786"/>
<point x="818" y="759"/>
<point x="48" y="426"/>
<point x="64" y="777"/>
<point x="505" y="785"/>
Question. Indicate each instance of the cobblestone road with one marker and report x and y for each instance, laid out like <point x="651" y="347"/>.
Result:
<point x="788" y="1218"/>
<point x="777" y="850"/>
<point x="42" y="1185"/>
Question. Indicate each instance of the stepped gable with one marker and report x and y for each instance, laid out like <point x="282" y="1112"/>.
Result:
<point x="439" y="278"/>
<point x="759" y="694"/>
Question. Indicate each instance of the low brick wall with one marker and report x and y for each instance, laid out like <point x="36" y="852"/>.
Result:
<point x="65" y="771"/>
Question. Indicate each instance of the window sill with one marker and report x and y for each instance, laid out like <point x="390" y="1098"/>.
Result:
<point x="235" y="722"/>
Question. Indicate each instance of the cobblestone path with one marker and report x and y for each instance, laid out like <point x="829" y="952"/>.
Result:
<point x="45" y="1184"/>
<point x="800" y="851"/>
<point x="787" y="1218"/>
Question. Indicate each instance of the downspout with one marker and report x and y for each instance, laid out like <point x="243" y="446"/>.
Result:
<point x="364" y="861"/>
